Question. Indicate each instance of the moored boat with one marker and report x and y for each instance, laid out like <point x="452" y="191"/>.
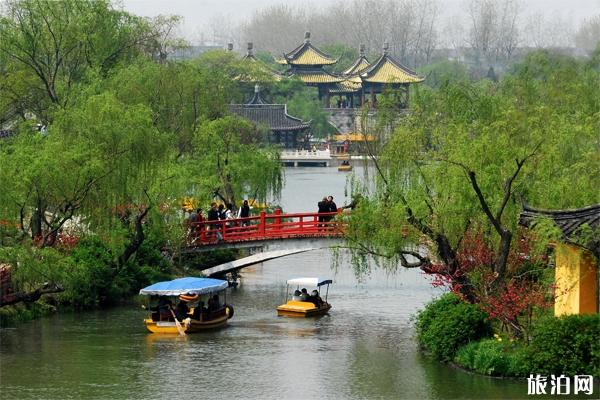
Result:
<point x="190" y="315"/>
<point x="301" y="304"/>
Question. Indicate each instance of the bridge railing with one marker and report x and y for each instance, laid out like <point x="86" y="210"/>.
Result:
<point x="267" y="226"/>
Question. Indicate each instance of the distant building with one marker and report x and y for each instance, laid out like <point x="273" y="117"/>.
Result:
<point x="358" y="85"/>
<point x="284" y="129"/>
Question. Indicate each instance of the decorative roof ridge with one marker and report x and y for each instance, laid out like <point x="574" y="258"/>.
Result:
<point x="304" y="47"/>
<point x="568" y="221"/>
<point x="351" y="70"/>
<point x="257" y="98"/>
<point x="377" y="64"/>
<point x="572" y="212"/>
<point x="295" y="118"/>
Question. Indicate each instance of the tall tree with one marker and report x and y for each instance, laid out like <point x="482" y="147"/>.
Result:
<point x="469" y="155"/>
<point x="231" y="160"/>
<point x="62" y="43"/>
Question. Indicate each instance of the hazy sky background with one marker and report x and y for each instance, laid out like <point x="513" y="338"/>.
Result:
<point x="198" y="14"/>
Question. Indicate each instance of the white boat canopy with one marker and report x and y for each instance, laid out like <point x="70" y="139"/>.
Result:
<point x="309" y="281"/>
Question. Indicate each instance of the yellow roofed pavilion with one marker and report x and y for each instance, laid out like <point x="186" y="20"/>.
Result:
<point x="387" y="70"/>
<point x="360" y="64"/>
<point x="307" y="55"/>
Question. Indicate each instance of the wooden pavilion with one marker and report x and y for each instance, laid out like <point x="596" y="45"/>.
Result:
<point x="306" y="62"/>
<point x="359" y="84"/>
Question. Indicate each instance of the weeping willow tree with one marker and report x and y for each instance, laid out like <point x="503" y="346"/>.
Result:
<point x="465" y="160"/>
<point x="231" y="160"/>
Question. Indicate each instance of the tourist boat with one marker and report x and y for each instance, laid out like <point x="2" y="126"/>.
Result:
<point x="296" y="307"/>
<point x="345" y="165"/>
<point x="194" y="291"/>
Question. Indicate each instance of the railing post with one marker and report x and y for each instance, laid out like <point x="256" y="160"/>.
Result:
<point x="261" y="224"/>
<point x="278" y="219"/>
<point x="202" y="233"/>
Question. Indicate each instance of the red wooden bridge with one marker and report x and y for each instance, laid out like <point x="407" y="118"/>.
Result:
<point x="268" y="227"/>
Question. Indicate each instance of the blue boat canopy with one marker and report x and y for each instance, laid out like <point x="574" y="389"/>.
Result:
<point x="185" y="285"/>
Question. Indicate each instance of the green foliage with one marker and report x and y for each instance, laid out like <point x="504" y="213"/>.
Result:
<point x="443" y="73"/>
<point x="567" y="345"/>
<point x="24" y="312"/>
<point x="304" y="104"/>
<point x="545" y="114"/>
<point x="448" y="323"/>
<point x="91" y="278"/>
<point x="129" y="134"/>
<point x="344" y="54"/>
<point x="58" y="42"/>
<point x="230" y="158"/>
<point x="494" y="357"/>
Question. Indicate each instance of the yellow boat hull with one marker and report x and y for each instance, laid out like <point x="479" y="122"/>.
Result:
<point x="188" y="325"/>
<point x="302" y="309"/>
<point x="345" y="168"/>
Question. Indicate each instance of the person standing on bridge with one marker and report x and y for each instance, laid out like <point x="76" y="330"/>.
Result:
<point x="323" y="208"/>
<point x="244" y="212"/>
<point x="229" y="215"/>
<point x="213" y="215"/>
<point x="331" y="208"/>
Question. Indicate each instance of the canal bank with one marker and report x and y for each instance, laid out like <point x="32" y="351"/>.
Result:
<point x="364" y="349"/>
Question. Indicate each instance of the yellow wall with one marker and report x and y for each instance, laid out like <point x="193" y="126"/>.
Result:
<point x="576" y="281"/>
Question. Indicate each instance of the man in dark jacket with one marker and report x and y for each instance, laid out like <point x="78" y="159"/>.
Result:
<point x="323" y="208"/>
<point x="244" y="212"/>
<point x="331" y="207"/>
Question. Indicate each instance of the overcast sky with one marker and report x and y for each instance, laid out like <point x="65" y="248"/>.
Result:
<point x="198" y="14"/>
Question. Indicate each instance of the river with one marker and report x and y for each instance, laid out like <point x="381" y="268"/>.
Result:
<point x="364" y="349"/>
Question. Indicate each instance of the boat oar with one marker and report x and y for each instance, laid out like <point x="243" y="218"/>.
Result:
<point x="177" y="324"/>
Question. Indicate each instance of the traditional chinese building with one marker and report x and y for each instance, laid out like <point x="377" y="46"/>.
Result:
<point x="284" y="129"/>
<point x="384" y="74"/>
<point x="306" y="62"/>
<point x="576" y="272"/>
<point x="359" y="84"/>
<point x="349" y="91"/>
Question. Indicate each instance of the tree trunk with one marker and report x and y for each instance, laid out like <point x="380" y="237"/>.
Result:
<point x="30" y="297"/>
<point x="136" y="241"/>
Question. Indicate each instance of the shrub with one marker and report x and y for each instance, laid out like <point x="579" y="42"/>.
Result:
<point x="493" y="357"/>
<point x="567" y="345"/>
<point x="448" y="323"/>
<point x="90" y="280"/>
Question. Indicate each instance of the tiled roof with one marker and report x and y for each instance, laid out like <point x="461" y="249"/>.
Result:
<point x="307" y="54"/>
<point x="345" y="86"/>
<point x="315" y="76"/>
<point x="275" y="116"/>
<point x="388" y="70"/>
<point x="568" y="221"/>
<point x="359" y="65"/>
